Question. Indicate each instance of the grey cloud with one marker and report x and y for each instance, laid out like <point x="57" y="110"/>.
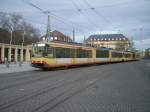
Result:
<point x="126" y="16"/>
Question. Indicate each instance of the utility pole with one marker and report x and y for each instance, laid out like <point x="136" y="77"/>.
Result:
<point x="48" y="29"/>
<point x="46" y="12"/>
<point x="11" y="34"/>
<point x="73" y="35"/>
<point x="22" y="48"/>
<point x="84" y="39"/>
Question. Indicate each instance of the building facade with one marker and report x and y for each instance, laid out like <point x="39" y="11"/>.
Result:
<point x="147" y="53"/>
<point x="14" y="53"/>
<point x="57" y="36"/>
<point x="114" y="41"/>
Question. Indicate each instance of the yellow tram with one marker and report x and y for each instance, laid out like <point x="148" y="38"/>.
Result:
<point x="60" y="54"/>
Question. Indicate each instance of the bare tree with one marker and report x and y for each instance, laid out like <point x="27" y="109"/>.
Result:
<point x="19" y="25"/>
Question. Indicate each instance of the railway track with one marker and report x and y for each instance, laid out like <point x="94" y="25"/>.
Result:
<point x="29" y="80"/>
<point x="47" y="89"/>
<point x="88" y="88"/>
<point x="73" y="90"/>
<point x="32" y="79"/>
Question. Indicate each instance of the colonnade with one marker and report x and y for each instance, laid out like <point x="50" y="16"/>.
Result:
<point x="14" y="52"/>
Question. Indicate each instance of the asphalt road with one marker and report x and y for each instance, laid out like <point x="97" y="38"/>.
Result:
<point x="121" y="87"/>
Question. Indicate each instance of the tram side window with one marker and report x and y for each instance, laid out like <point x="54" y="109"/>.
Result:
<point x="102" y="53"/>
<point x="59" y="52"/>
<point x="84" y="53"/>
<point x="79" y="53"/>
<point x="64" y="53"/>
<point x="130" y="55"/>
<point x="116" y="55"/>
<point x="89" y="54"/>
<point x="48" y="52"/>
<point x="72" y="53"/>
<point x="127" y="55"/>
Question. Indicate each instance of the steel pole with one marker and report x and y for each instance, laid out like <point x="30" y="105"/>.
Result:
<point x="10" y="46"/>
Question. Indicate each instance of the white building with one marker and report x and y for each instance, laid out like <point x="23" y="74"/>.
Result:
<point x="114" y="41"/>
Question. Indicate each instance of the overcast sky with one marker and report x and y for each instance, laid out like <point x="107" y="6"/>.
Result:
<point x="129" y="17"/>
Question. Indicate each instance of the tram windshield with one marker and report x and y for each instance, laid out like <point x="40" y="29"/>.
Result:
<point x="42" y="50"/>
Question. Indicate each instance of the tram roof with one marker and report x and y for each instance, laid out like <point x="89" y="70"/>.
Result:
<point x="70" y="43"/>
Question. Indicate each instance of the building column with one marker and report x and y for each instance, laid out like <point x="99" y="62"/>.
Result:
<point x="9" y="54"/>
<point x="27" y="55"/>
<point x="21" y="55"/>
<point x="16" y="54"/>
<point x="3" y="53"/>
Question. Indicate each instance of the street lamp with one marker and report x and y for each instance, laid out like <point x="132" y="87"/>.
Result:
<point x="22" y="43"/>
<point x="11" y="36"/>
<point x="21" y="58"/>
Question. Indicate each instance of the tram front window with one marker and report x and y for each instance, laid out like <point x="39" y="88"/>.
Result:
<point x="42" y="50"/>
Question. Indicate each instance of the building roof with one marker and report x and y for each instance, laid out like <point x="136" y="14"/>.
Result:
<point x="148" y="49"/>
<point x="107" y="37"/>
<point x="59" y="36"/>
